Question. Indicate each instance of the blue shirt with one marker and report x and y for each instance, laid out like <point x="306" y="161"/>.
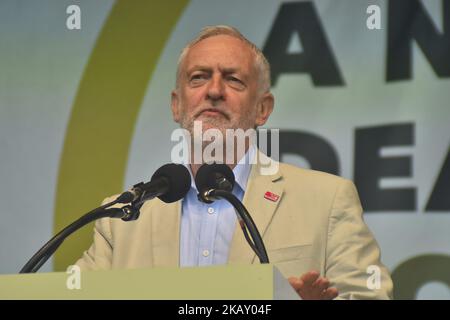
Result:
<point x="207" y="229"/>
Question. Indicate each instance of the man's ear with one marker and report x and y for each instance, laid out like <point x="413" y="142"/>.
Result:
<point x="264" y="108"/>
<point x="175" y="105"/>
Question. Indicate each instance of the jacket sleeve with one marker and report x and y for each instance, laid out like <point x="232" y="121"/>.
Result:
<point x="353" y="262"/>
<point x="99" y="254"/>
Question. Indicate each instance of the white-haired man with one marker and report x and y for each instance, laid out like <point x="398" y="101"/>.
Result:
<point x="311" y="222"/>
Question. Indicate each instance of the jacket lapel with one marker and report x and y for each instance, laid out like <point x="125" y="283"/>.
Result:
<point x="260" y="209"/>
<point x="166" y="220"/>
<point x="166" y="234"/>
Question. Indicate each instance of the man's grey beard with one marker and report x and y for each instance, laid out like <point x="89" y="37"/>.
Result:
<point x="209" y="123"/>
<point x="200" y="141"/>
<point x="219" y="124"/>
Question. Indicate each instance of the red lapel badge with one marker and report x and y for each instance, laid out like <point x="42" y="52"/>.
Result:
<point x="271" y="196"/>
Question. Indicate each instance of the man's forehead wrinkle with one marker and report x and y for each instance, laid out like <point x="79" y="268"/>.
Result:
<point x="237" y="58"/>
<point x="203" y="46"/>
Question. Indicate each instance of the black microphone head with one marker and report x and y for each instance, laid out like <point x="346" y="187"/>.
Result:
<point x="179" y="180"/>
<point x="214" y="176"/>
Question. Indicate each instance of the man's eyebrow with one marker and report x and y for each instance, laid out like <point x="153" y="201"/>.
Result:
<point x="230" y="70"/>
<point x="206" y="68"/>
<point x="198" y="68"/>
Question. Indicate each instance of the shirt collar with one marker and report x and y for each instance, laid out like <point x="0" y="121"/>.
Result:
<point x="241" y="171"/>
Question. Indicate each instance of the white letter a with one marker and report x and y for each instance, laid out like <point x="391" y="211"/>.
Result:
<point x="374" y="20"/>
<point x="74" y="280"/>
<point x="74" y="20"/>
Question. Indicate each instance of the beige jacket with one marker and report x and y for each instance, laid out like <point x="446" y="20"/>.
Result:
<point x="316" y="224"/>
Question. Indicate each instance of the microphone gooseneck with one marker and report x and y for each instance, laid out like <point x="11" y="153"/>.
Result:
<point x="216" y="181"/>
<point x="169" y="183"/>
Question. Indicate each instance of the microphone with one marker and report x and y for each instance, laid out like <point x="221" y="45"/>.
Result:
<point x="216" y="181"/>
<point x="213" y="176"/>
<point x="169" y="183"/>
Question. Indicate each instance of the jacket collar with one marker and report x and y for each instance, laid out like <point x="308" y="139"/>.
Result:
<point x="166" y="218"/>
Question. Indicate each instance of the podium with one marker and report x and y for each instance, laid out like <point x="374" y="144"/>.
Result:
<point x="238" y="282"/>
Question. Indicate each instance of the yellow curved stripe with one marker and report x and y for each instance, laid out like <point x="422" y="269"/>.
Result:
<point x="104" y="113"/>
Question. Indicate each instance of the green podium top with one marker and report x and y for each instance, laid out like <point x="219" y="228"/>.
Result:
<point x="246" y="282"/>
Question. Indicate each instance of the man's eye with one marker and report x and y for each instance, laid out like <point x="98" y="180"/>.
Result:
<point x="234" y="79"/>
<point x="236" y="83"/>
<point x="198" y="77"/>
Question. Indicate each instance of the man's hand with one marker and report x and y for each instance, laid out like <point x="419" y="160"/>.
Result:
<point x="310" y="286"/>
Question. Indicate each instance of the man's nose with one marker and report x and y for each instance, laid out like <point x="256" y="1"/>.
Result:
<point x="216" y="89"/>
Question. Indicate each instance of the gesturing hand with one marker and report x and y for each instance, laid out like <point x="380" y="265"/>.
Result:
<point x="310" y="286"/>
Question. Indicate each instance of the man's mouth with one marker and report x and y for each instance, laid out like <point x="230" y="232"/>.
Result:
<point x="212" y="112"/>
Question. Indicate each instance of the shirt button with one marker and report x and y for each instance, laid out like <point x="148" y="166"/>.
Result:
<point x="210" y="210"/>
<point x="205" y="253"/>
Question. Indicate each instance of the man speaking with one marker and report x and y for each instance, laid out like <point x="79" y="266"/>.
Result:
<point x="311" y="222"/>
